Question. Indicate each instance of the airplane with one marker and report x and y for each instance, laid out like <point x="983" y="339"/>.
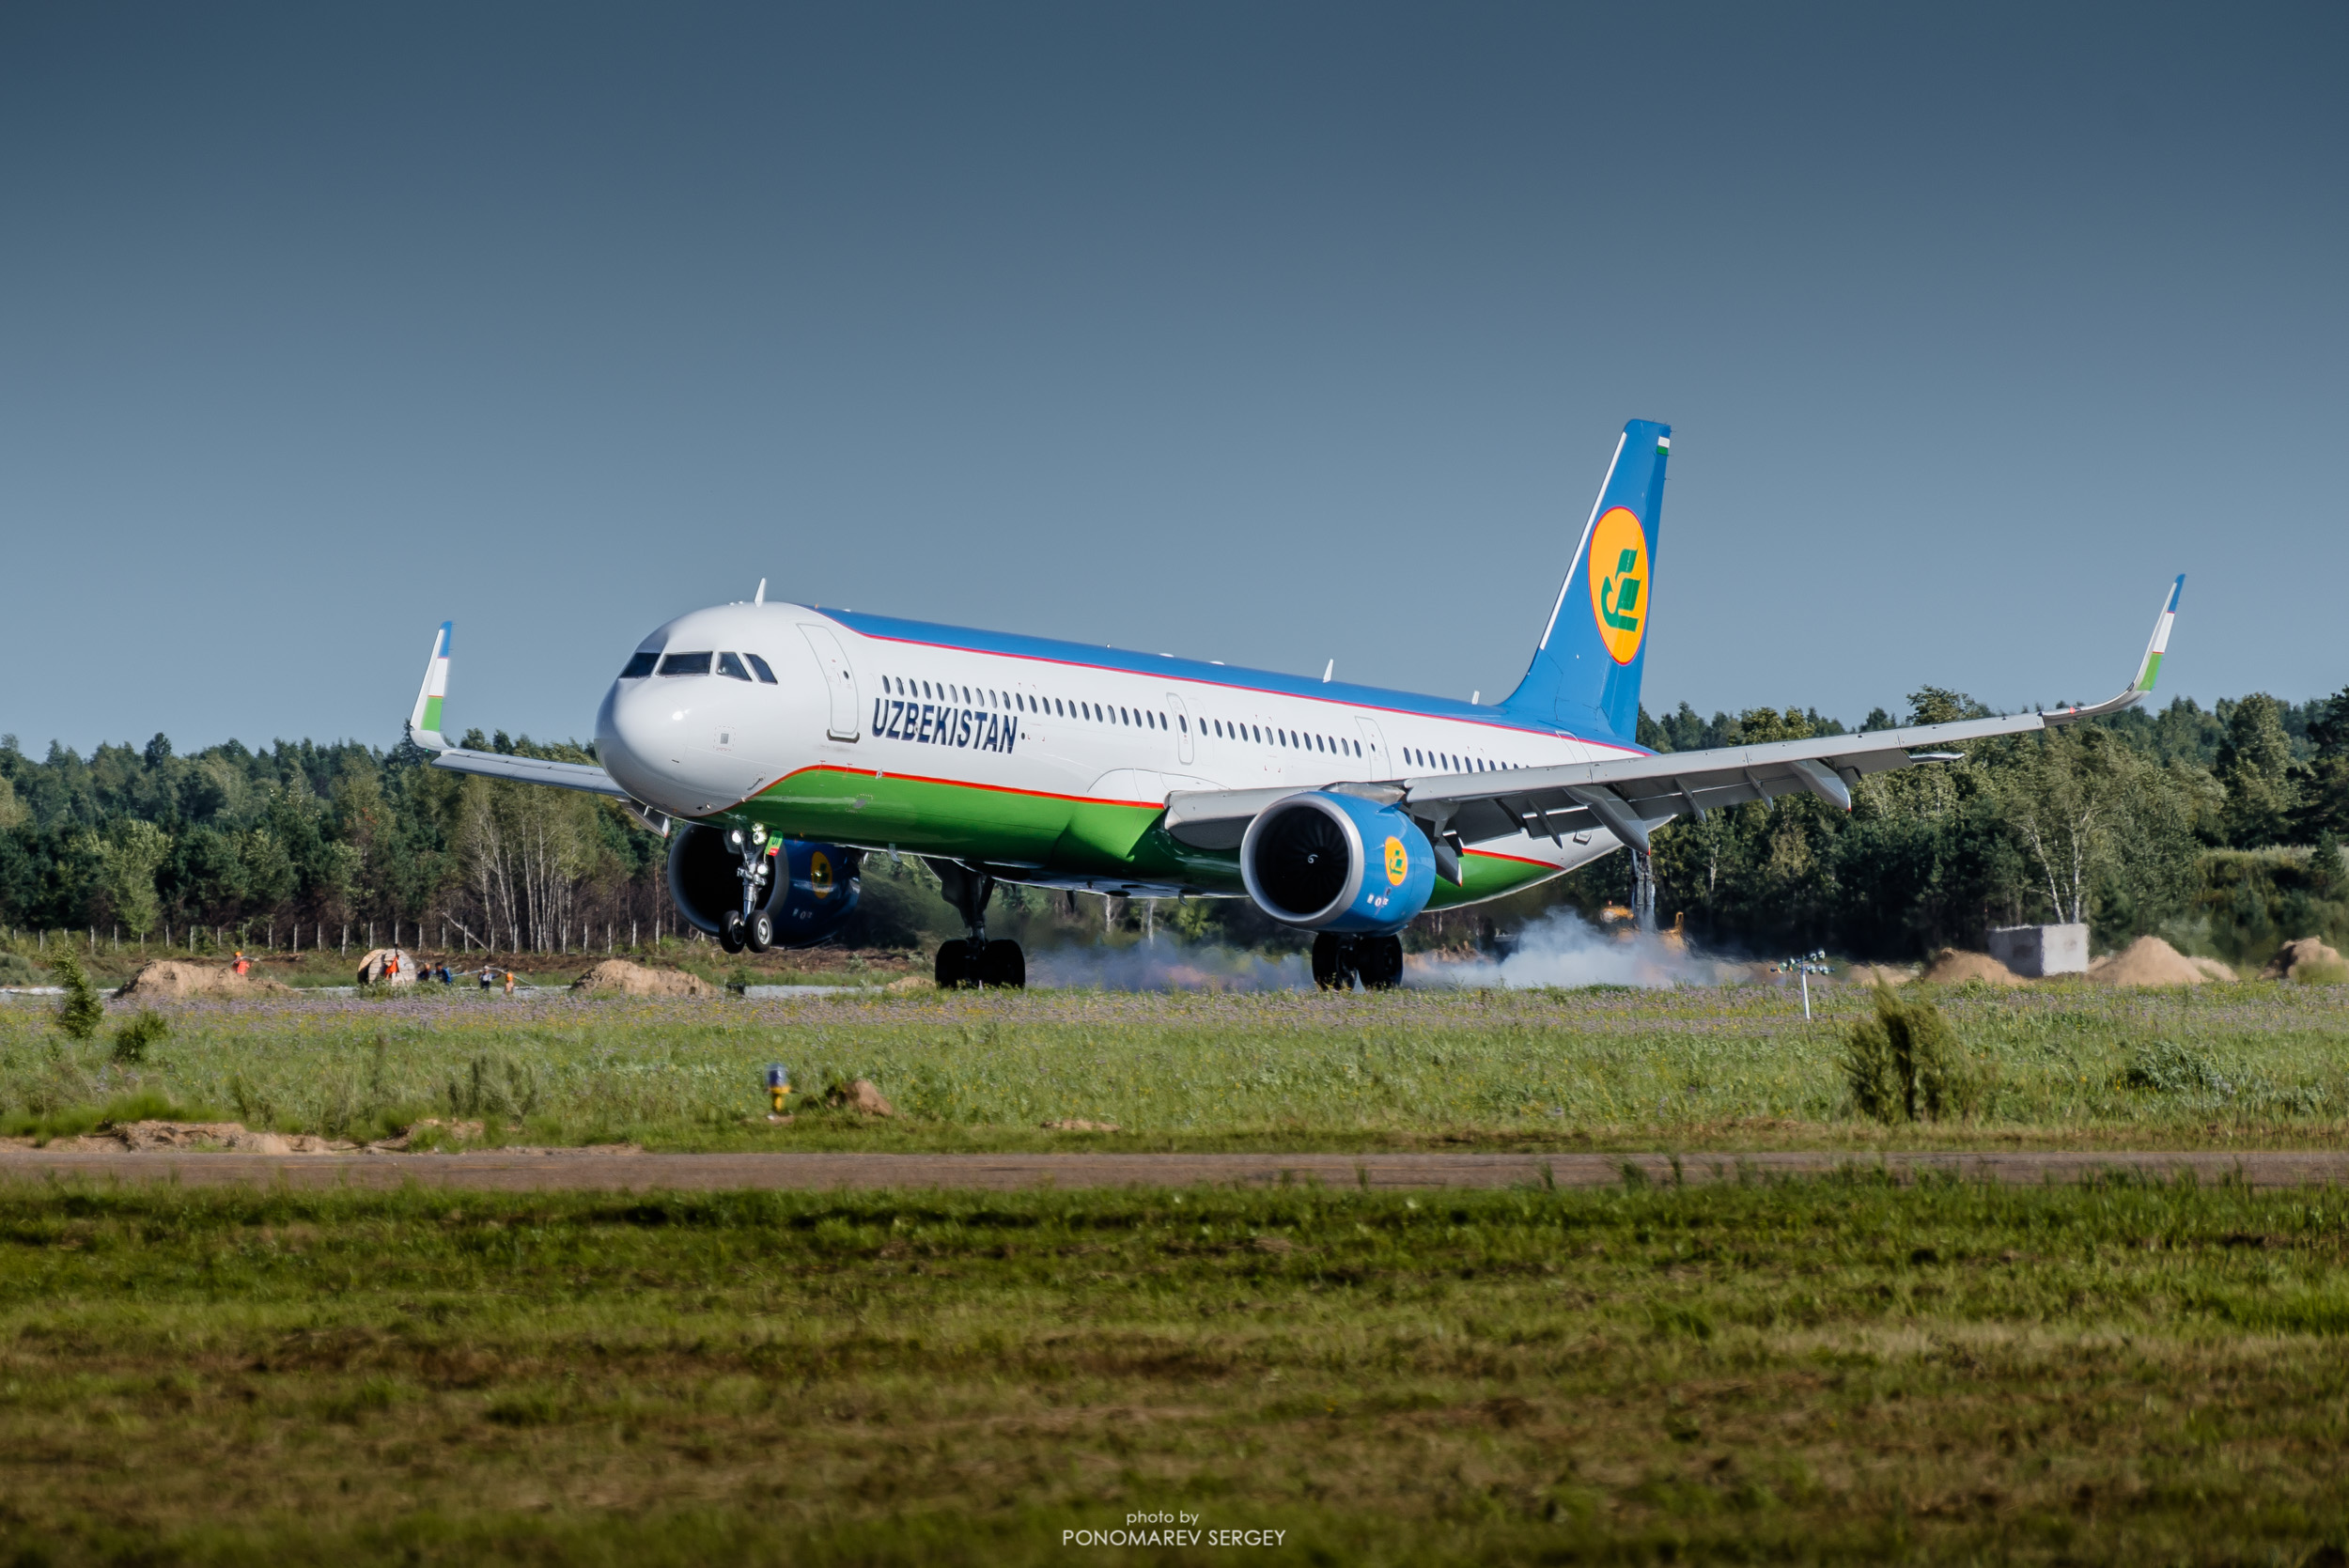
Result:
<point x="776" y="744"/>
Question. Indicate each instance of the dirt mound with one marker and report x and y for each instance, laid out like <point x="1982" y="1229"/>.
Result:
<point x="1877" y="974"/>
<point x="375" y="968"/>
<point x="219" y="1137"/>
<point x="860" y="1097"/>
<point x="2147" y="961"/>
<point x="1951" y="967"/>
<point x="911" y="982"/>
<point x="2213" y="970"/>
<point x="619" y="977"/>
<point x="2308" y="958"/>
<point x="170" y="980"/>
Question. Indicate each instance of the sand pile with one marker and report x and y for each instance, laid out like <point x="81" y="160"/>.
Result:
<point x="862" y="1096"/>
<point x="2213" y="970"/>
<point x="620" y="978"/>
<point x="2147" y="961"/>
<point x="372" y="966"/>
<point x="222" y="1137"/>
<point x="1951" y="966"/>
<point x="170" y="980"/>
<point x="2307" y="958"/>
<point x="1877" y="974"/>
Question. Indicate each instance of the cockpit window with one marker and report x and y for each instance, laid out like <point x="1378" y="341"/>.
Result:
<point x="686" y="665"/>
<point x="760" y="665"/>
<point x="641" y="666"/>
<point x="731" y="664"/>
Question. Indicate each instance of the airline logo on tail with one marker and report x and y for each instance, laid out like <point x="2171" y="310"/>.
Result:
<point x="1619" y="577"/>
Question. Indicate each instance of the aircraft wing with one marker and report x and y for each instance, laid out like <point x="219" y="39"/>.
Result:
<point x="1624" y="794"/>
<point x="423" y="728"/>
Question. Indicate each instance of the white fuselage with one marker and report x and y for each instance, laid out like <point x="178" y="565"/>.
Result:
<point x="698" y="745"/>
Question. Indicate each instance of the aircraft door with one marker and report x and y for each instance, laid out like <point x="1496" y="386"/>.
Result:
<point x="839" y="680"/>
<point x="1182" y="727"/>
<point x="1382" y="766"/>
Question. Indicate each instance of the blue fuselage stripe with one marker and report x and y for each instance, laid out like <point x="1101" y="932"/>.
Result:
<point x="1165" y="666"/>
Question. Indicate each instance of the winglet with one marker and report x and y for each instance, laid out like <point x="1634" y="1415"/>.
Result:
<point x="423" y="725"/>
<point x="2148" y="670"/>
<point x="2151" y="669"/>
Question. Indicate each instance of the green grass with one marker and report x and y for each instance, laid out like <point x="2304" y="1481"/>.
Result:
<point x="1839" y="1371"/>
<point x="1738" y="1067"/>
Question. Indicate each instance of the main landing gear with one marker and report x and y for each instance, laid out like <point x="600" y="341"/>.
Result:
<point x="1339" y="961"/>
<point x="751" y="926"/>
<point x="975" y="961"/>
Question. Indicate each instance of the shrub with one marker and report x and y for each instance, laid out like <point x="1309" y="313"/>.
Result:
<point x="2167" y="1067"/>
<point x="1903" y="1063"/>
<point x="134" y="1039"/>
<point x="83" y="1009"/>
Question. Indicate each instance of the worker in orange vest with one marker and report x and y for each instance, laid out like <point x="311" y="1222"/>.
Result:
<point x="243" y="964"/>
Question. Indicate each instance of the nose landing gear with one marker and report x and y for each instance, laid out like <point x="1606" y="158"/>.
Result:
<point x="1339" y="961"/>
<point x="975" y="961"/>
<point x="751" y="926"/>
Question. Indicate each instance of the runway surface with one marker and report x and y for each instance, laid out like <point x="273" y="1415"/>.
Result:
<point x="592" y="1170"/>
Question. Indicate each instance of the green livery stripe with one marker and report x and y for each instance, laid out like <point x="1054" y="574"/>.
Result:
<point x="2153" y="673"/>
<point x="433" y="714"/>
<point x="1484" y="875"/>
<point x="1063" y="835"/>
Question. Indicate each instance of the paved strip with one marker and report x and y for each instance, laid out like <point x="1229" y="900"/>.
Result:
<point x="599" y="1171"/>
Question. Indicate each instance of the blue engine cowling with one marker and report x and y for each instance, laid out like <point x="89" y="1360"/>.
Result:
<point x="1332" y="862"/>
<point x="811" y="888"/>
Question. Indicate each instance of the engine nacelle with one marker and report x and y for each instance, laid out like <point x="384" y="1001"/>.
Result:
<point x="1334" y="862"/>
<point x="811" y="888"/>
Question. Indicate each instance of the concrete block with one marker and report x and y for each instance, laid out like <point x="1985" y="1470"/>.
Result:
<point x="2041" y="950"/>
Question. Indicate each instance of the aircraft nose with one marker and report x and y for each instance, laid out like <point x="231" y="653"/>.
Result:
<point x="634" y="737"/>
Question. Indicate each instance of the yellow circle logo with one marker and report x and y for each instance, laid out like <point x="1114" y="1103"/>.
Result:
<point x="1619" y="580"/>
<point x="819" y="872"/>
<point x="1398" y="861"/>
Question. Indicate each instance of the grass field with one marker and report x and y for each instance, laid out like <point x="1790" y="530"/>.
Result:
<point x="1722" y="1068"/>
<point x="1836" y="1371"/>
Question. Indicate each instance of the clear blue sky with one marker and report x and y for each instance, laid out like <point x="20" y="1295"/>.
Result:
<point x="1270" y="334"/>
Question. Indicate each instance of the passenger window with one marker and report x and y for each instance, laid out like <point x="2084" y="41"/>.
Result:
<point x="640" y="666"/>
<point x="730" y="665"/>
<point x="686" y="665"/>
<point x="765" y="674"/>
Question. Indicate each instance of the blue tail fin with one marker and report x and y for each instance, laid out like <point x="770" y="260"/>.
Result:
<point x="1585" y="675"/>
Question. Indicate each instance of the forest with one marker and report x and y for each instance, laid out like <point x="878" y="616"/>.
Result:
<point x="2220" y="830"/>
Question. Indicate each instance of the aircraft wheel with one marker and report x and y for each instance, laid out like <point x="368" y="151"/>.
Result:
<point x="759" y="934"/>
<point x="731" y="934"/>
<point x="1333" y="963"/>
<point x="1381" y="962"/>
<point x="1004" y="966"/>
<point x="955" y="969"/>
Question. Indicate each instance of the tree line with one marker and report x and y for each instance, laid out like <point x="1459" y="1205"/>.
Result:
<point x="2219" y="828"/>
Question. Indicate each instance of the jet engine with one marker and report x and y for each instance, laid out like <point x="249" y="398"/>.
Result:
<point x="811" y="888"/>
<point x="1337" y="863"/>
